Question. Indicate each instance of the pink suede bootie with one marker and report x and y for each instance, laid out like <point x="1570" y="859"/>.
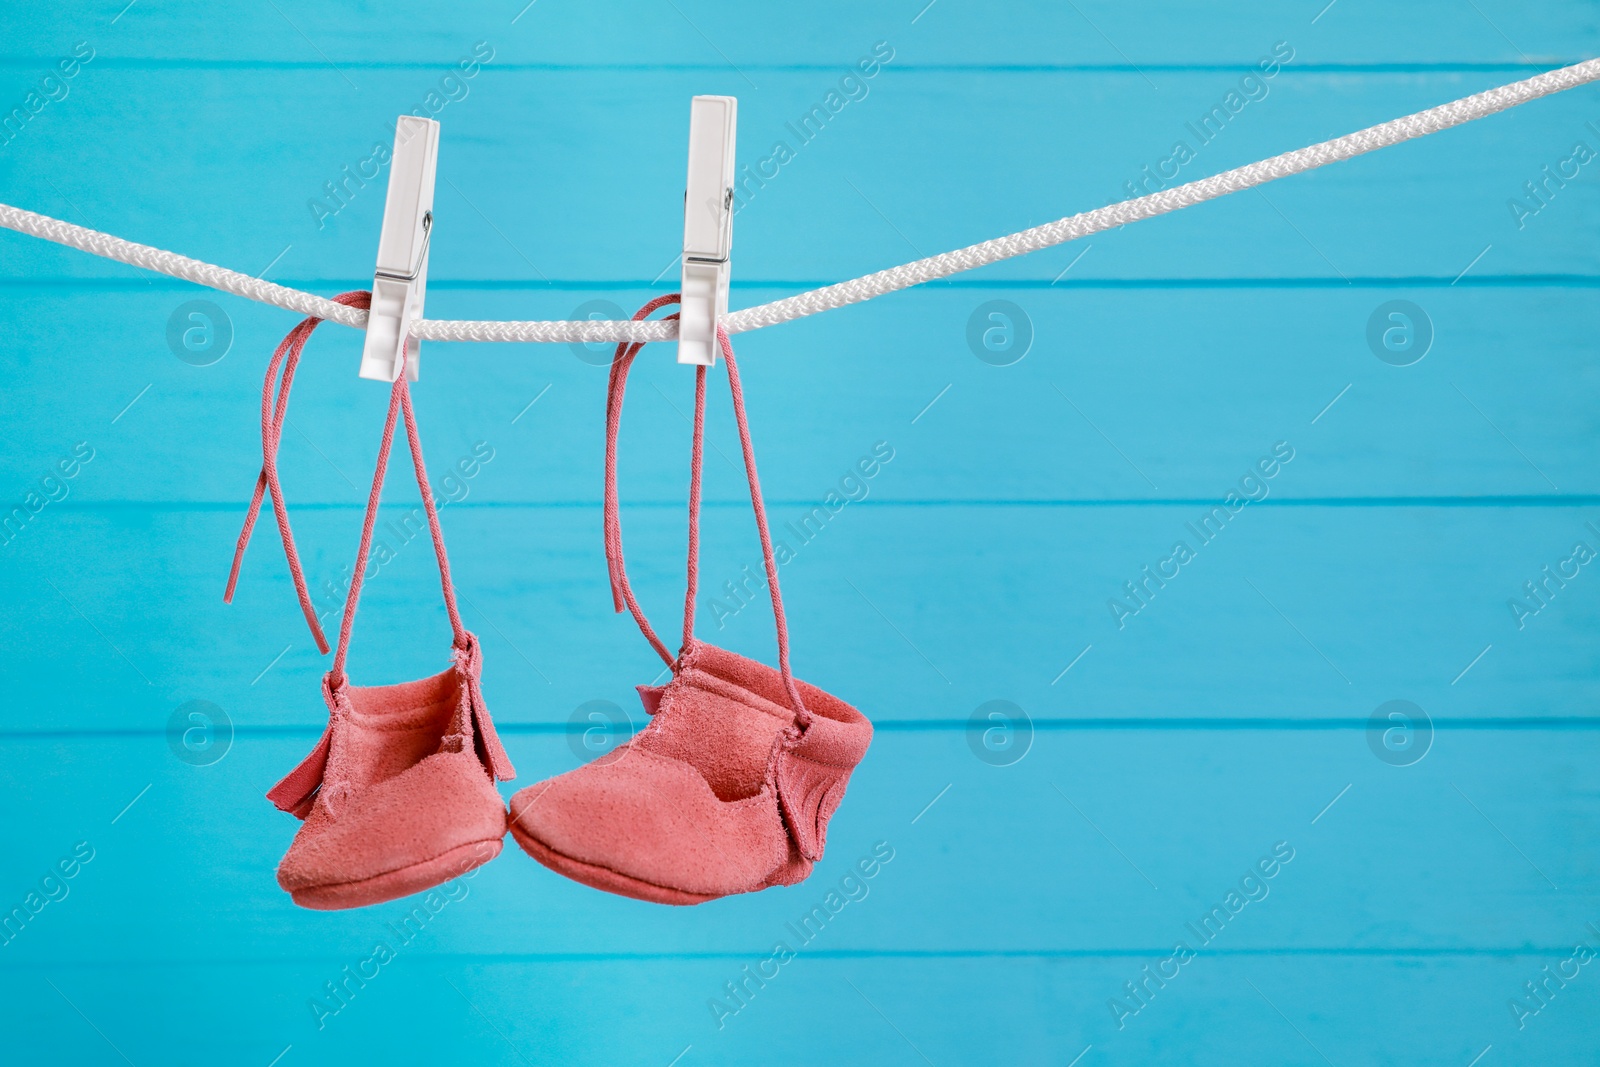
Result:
<point x="730" y="787"/>
<point x="399" y="794"/>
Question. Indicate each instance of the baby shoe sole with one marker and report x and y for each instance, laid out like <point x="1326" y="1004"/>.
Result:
<point x="603" y="878"/>
<point x="392" y="885"/>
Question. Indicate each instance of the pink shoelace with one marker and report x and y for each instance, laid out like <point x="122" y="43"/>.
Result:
<point x="274" y="409"/>
<point x="399" y="402"/>
<point x="295" y="792"/>
<point x="621" y="590"/>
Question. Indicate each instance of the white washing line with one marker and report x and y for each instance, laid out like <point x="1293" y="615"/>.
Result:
<point x="1071" y="228"/>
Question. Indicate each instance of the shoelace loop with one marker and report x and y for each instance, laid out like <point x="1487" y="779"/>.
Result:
<point x="274" y="412"/>
<point x="621" y="591"/>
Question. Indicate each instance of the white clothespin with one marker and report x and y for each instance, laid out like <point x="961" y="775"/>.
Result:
<point x="401" y="281"/>
<point x="707" y="227"/>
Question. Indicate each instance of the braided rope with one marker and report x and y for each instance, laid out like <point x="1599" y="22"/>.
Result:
<point x="856" y="290"/>
<point x="192" y="270"/>
<point x="582" y="331"/>
<point x="1089" y="222"/>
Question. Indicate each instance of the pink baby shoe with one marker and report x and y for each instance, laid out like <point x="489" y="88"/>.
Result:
<point x="730" y="787"/>
<point x="399" y="794"/>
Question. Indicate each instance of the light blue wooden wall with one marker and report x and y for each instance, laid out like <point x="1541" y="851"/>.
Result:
<point x="1178" y="750"/>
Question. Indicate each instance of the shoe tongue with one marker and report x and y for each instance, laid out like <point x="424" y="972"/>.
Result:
<point x="385" y="730"/>
<point x="742" y="700"/>
<point x="721" y="729"/>
<point x="406" y="705"/>
<point x="762" y="686"/>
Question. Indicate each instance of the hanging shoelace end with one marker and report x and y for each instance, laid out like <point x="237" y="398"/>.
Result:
<point x="251" y="514"/>
<point x="615" y="569"/>
<point x="317" y="635"/>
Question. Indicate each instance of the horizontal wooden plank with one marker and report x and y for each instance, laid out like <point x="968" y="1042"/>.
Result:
<point x="1145" y="836"/>
<point x="577" y="175"/>
<point x="1142" y="395"/>
<point x="910" y="613"/>
<point x="1018" y="1011"/>
<point x="721" y="34"/>
<point x="997" y="882"/>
